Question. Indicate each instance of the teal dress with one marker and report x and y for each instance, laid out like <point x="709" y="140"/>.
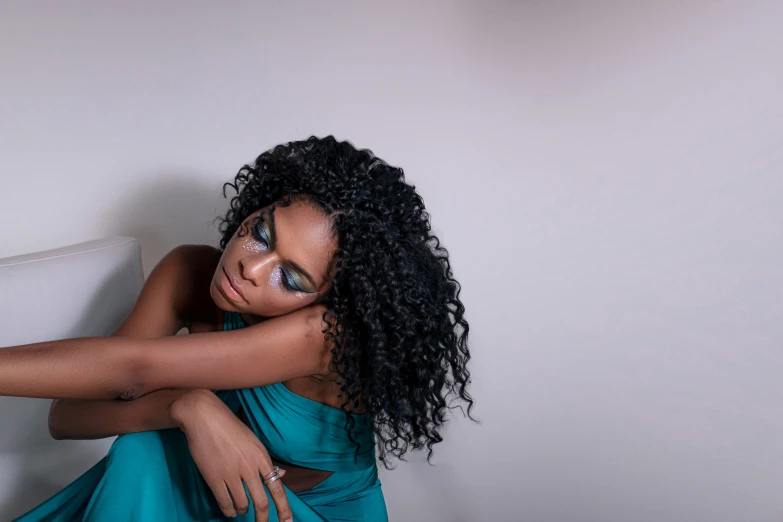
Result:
<point x="151" y="476"/>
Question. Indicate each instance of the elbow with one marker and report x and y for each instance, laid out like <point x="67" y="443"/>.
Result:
<point x="134" y="376"/>
<point x="56" y="430"/>
<point x="58" y="435"/>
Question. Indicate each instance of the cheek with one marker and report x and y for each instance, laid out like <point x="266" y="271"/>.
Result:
<point x="251" y="245"/>
<point x="275" y="278"/>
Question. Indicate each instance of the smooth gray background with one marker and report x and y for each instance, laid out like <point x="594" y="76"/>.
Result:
<point x="605" y="174"/>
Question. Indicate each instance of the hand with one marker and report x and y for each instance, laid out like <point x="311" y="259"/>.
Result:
<point x="227" y="453"/>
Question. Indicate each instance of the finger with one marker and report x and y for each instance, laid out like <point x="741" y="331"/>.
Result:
<point x="220" y="491"/>
<point x="260" y="500"/>
<point x="237" y="490"/>
<point x="280" y="499"/>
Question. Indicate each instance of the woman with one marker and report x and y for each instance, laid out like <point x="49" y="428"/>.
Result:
<point x="329" y="317"/>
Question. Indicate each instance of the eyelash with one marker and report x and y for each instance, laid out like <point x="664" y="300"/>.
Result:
<point x="258" y="232"/>
<point x="287" y="285"/>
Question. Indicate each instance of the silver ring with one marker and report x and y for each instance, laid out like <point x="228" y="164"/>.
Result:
<point x="270" y="480"/>
<point x="274" y="471"/>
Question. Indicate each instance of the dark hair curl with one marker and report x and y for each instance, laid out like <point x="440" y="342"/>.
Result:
<point x="398" y="323"/>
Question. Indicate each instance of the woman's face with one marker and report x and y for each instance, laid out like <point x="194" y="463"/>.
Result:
<point x="280" y="263"/>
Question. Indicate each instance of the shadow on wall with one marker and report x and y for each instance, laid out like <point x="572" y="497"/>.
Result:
<point x="178" y="210"/>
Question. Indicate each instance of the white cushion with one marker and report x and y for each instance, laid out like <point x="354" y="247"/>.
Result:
<point x="79" y="291"/>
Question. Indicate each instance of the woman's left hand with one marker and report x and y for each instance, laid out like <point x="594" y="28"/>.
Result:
<point x="228" y="453"/>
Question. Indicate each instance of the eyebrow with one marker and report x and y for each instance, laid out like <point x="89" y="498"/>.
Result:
<point x="273" y="239"/>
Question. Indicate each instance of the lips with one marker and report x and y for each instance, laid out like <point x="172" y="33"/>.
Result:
<point x="231" y="287"/>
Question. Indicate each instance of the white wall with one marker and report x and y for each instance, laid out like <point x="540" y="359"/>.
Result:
<point x="606" y="175"/>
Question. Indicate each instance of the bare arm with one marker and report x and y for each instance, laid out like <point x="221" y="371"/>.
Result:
<point x="158" y="312"/>
<point x="91" y="419"/>
<point x="113" y="367"/>
<point x="174" y="285"/>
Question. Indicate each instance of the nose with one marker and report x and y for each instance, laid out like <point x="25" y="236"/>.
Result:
<point x="255" y="268"/>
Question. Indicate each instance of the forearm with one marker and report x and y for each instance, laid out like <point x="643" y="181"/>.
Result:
<point x="275" y="350"/>
<point x="96" y="419"/>
<point x="86" y="368"/>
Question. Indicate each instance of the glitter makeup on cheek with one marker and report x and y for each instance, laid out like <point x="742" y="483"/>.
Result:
<point x="254" y="246"/>
<point x="275" y="277"/>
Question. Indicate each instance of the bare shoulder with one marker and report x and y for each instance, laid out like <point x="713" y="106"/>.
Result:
<point x="184" y="270"/>
<point x="175" y="294"/>
<point x="190" y="269"/>
<point x="191" y="257"/>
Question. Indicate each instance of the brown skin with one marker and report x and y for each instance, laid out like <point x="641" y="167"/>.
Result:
<point x="169" y="376"/>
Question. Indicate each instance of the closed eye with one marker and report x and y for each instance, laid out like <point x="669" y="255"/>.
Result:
<point x="293" y="277"/>
<point x="291" y="281"/>
<point x="260" y="232"/>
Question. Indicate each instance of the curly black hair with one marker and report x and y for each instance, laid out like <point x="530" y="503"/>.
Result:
<point x="398" y="325"/>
